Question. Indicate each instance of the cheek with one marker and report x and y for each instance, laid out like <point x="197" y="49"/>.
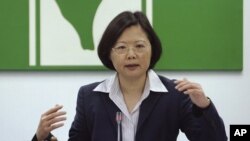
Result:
<point x="115" y="60"/>
<point x="146" y="58"/>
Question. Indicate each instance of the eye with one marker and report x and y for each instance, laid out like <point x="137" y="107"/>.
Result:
<point x="120" y="47"/>
<point x="140" y="46"/>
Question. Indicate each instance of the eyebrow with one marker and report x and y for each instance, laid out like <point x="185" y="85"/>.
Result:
<point x="141" y="41"/>
<point x="133" y="42"/>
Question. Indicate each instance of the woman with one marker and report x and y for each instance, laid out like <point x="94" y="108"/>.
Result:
<point x="136" y="104"/>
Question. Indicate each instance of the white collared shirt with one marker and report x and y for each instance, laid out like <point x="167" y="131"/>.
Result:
<point x="130" y="120"/>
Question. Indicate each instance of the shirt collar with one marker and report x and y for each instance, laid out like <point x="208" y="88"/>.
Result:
<point x="155" y="84"/>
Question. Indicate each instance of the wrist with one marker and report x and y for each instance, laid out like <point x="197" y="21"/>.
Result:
<point x="38" y="137"/>
<point x="206" y="103"/>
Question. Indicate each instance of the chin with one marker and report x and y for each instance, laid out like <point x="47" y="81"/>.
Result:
<point x="135" y="74"/>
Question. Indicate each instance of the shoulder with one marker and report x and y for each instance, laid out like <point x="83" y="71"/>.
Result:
<point x="90" y="86"/>
<point x="172" y="91"/>
<point x="86" y="96"/>
<point x="87" y="89"/>
<point x="168" y="83"/>
<point x="165" y="79"/>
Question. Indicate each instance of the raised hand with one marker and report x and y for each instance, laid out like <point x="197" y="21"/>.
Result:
<point x="49" y="121"/>
<point x="195" y="92"/>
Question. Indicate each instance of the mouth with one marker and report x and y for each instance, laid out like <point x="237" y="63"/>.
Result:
<point x="132" y="66"/>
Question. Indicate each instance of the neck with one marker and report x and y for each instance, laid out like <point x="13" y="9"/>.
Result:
<point x="132" y="85"/>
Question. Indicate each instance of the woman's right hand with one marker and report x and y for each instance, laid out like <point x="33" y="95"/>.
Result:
<point x="50" y="120"/>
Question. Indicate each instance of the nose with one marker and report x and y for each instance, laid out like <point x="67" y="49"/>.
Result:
<point x="131" y="53"/>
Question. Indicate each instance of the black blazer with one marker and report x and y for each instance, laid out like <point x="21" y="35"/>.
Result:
<point x="161" y="117"/>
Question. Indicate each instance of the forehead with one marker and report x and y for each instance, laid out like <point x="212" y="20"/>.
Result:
<point x="133" y="34"/>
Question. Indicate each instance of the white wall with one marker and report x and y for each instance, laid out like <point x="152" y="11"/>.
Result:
<point x="25" y="95"/>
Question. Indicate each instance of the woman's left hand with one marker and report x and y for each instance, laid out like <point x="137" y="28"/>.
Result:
<point x="195" y="92"/>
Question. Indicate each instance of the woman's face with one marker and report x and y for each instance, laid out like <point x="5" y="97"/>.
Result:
<point x="131" y="54"/>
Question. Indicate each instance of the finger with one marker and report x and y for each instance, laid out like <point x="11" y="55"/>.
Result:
<point x="193" y="91"/>
<point x="180" y="83"/>
<point x="46" y="118"/>
<point x="55" y="126"/>
<point x="188" y="86"/>
<point x="54" y="115"/>
<point x="56" y="120"/>
<point x="57" y="117"/>
<point x="54" y="109"/>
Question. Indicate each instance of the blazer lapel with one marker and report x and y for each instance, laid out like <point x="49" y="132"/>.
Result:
<point x="146" y="107"/>
<point x="111" y="108"/>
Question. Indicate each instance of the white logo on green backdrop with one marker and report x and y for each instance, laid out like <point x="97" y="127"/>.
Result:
<point x="70" y="30"/>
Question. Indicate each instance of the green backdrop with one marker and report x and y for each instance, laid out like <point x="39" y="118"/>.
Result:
<point x="195" y="34"/>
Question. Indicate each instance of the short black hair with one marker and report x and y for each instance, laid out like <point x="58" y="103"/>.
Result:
<point x="116" y="28"/>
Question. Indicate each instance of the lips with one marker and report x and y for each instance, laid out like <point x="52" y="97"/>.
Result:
<point x="132" y="66"/>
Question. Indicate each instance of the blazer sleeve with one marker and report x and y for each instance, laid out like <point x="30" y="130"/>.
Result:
<point x="202" y="124"/>
<point x="46" y="139"/>
<point x="34" y="138"/>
